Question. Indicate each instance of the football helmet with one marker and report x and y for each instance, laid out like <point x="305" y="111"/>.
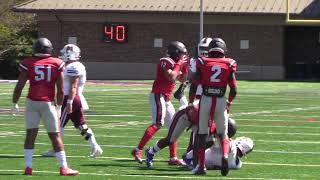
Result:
<point x="232" y="127"/>
<point x="42" y="47"/>
<point x="70" y="52"/>
<point x="244" y="144"/>
<point x="218" y="45"/>
<point x="203" y="47"/>
<point x="175" y="49"/>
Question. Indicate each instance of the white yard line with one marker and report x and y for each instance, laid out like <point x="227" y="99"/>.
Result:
<point x="160" y="159"/>
<point x="126" y="146"/>
<point x="143" y="175"/>
<point x="278" y="111"/>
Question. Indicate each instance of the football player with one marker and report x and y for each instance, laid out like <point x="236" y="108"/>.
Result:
<point x="44" y="73"/>
<point x="168" y="70"/>
<point x="216" y="73"/>
<point x="185" y="118"/>
<point x="239" y="147"/>
<point x="74" y="102"/>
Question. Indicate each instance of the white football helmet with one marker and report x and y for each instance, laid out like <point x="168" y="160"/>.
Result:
<point x="244" y="144"/>
<point x="70" y="52"/>
<point x="203" y="47"/>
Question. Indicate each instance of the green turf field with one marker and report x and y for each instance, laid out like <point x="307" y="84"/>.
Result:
<point x="281" y="117"/>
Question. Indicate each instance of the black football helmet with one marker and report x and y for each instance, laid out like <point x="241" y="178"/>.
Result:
<point x="175" y="49"/>
<point x="42" y="47"/>
<point x="218" y="45"/>
<point x="232" y="127"/>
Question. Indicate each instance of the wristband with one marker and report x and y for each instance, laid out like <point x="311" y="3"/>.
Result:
<point x="69" y="101"/>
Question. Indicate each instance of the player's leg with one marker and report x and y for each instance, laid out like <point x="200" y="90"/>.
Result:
<point x="221" y="120"/>
<point x="32" y="119"/>
<point x="173" y="146"/>
<point x="63" y="121"/>
<point x="78" y="119"/>
<point x="50" y="120"/>
<point x="204" y="116"/>
<point x="158" y="109"/>
<point x="178" y="125"/>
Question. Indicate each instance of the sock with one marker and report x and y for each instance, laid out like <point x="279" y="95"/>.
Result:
<point x="28" y="157"/>
<point x="201" y="156"/>
<point x="155" y="148"/>
<point x="92" y="140"/>
<point x="61" y="157"/>
<point x="148" y="134"/>
<point x="189" y="154"/>
<point x="173" y="150"/>
<point x="183" y="101"/>
<point x="225" y="145"/>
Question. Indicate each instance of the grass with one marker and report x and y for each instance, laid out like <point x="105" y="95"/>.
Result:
<point x="281" y="117"/>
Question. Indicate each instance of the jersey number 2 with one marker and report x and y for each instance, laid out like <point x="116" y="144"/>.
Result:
<point x="216" y="72"/>
<point x="40" y="73"/>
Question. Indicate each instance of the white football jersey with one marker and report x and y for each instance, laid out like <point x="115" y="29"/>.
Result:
<point x="213" y="157"/>
<point x="74" y="69"/>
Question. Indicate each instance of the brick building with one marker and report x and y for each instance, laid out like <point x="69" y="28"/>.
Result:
<point x="255" y="31"/>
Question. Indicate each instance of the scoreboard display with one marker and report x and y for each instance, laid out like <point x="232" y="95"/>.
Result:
<point x="115" y="33"/>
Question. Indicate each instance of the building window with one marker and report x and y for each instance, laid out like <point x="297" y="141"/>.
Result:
<point x="244" y="44"/>
<point x="158" y="43"/>
<point x="72" y="40"/>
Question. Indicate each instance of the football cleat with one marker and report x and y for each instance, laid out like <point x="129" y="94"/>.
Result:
<point x="199" y="171"/>
<point x="176" y="162"/>
<point x="224" y="166"/>
<point x="149" y="158"/>
<point x="50" y="153"/>
<point x="28" y="171"/>
<point x="66" y="171"/>
<point x="96" y="152"/>
<point x="137" y="154"/>
<point x="188" y="162"/>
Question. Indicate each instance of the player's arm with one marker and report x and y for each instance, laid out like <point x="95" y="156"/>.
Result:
<point x="72" y="92"/>
<point x="59" y="85"/>
<point x="172" y="74"/>
<point x="22" y="79"/>
<point x="233" y="90"/>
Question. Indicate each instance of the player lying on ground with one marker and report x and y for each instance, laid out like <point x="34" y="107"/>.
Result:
<point x="183" y="119"/>
<point x="44" y="73"/>
<point x="74" y="102"/>
<point x="239" y="147"/>
<point x="168" y="71"/>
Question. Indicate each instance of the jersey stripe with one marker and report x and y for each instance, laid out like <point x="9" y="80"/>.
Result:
<point x="168" y="60"/>
<point x="23" y="67"/>
<point x="232" y="63"/>
<point x="61" y="66"/>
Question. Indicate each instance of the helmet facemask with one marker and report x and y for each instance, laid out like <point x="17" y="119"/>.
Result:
<point x="203" y="47"/>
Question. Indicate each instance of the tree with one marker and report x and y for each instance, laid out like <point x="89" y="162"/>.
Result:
<point x="17" y="32"/>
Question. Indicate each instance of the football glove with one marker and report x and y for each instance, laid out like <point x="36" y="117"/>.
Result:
<point x="180" y="91"/>
<point x="14" y="109"/>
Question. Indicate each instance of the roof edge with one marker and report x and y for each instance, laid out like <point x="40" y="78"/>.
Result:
<point x="140" y="11"/>
<point x="22" y="4"/>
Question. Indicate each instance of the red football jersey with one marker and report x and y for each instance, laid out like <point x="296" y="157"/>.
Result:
<point x="216" y="71"/>
<point x="162" y="84"/>
<point x="42" y="75"/>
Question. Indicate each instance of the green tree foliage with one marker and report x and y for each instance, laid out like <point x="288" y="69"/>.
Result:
<point x="17" y="32"/>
